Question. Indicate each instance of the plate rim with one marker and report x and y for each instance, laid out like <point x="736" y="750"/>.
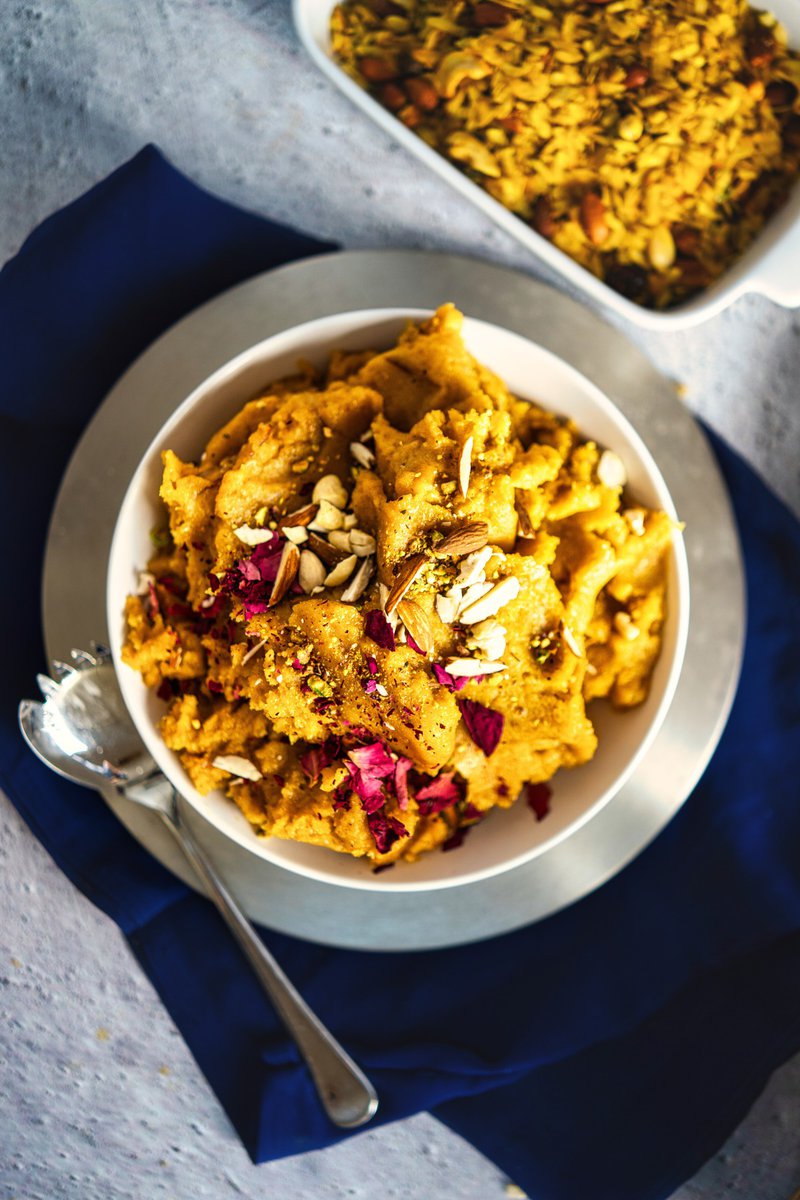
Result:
<point x="272" y="301"/>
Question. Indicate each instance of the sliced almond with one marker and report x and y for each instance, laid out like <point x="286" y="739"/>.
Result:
<point x="391" y="617"/>
<point x="447" y="608"/>
<point x="474" y="592"/>
<point x="341" y="572"/>
<point x="363" y="455"/>
<point x="287" y="573"/>
<point x="635" y="518"/>
<point x="358" y="584"/>
<point x="408" y="572"/>
<point x="416" y="621"/>
<point x="473" y="667"/>
<point x="312" y="572"/>
<point x="464" y="540"/>
<point x="324" y="550"/>
<point x="471" y="569"/>
<point x="328" y="517"/>
<point x="572" y="642"/>
<point x="301" y="516"/>
<point x="525" y="526"/>
<point x="625" y="626"/>
<point x="295" y="533"/>
<point x="330" y="488"/>
<point x="349" y="521"/>
<point x="253" y="537"/>
<point x="234" y="764"/>
<point x="488" y="637"/>
<point x="611" y="470"/>
<point x="253" y="651"/>
<point x="489" y="605"/>
<point x="361" y="543"/>
<point x="341" y="540"/>
<point x="465" y="466"/>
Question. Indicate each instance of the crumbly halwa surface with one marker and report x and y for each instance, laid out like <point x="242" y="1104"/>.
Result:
<point x="387" y="595"/>
<point x="648" y="139"/>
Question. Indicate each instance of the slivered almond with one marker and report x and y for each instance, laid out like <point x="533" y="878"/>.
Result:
<point x="572" y="642"/>
<point x="312" y="572"/>
<point x="234" y="764"/>
<point x="324" y="550"/>
<point x="611" y="470"/>
<point x="358" y="584"/>
<point x="287" y="573"/>
<point x="408" y="572"/>
<point x="341" y="572"/>
<point x="416" y="621"/>
<point x="490" y="604"/>
<point x="301" y="516"/>
<point x="466" y="539"/>
<point x="361" y="543"/>
<point x="363" y="455"/>
<point x="295" y="533"/>
<point x="465" y="466"/>
<point x="341" y="540"/>
<point x="525" y="528"/>
<point x="328" y="517"/>
<point x="330" y="488"/>
<point x="472" y="667"/>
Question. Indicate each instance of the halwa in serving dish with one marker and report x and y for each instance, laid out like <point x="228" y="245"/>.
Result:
<point x="387" y="594"/>
<point x="649" y="141"/>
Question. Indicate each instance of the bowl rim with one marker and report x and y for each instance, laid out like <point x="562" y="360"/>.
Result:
<point x="131" y="680"/>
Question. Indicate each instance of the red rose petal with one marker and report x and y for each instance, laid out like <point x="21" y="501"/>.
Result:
<point x="484" y="725"/>
<point x="537" y="798"/>
<point x="378" y="629"/>
<point x="385" y="830"/>
<point x="441" y="792"/>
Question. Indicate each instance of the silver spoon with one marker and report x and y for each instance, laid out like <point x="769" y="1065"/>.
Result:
<point x="83" y="731"/>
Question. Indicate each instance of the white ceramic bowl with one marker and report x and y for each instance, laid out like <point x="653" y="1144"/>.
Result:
<point x="506" y="838"/>
<point x="771" y="266"/>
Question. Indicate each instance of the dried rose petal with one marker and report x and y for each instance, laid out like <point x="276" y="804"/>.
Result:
<point x="471" y="813"/>
<point x="453" y="683"/>
<point x="378" y="629"/>
<point x="456" y="838"/>
<point x="317" y="758"/>
<point x="401" y="769"/>
<point x="368" y="788"/>
<point x="484" y="725"/>
<point x="215" y="686"/>
<point x="537" y="798"/>
<point x="410" y="641"/>
<point x="374" y="759"/>
<point x="370" y="687"/>
<point x="385" y="830"/>
<point x="442" y="792"/>
<point x="164" y="690"/>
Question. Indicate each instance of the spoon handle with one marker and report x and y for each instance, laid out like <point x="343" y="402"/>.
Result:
<point x="346" y="1094"/>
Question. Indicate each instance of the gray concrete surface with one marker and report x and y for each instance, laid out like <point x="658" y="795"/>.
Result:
<point x="99" y="1098"/>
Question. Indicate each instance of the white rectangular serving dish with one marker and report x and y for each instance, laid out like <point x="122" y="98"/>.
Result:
<point x="770" y="267"/>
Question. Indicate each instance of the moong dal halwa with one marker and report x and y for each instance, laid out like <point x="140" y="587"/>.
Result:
<point x="387" y="595"/>
<point x="647" y="139"/>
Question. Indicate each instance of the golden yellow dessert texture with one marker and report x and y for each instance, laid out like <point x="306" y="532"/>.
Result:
<point x="386" y="596"/>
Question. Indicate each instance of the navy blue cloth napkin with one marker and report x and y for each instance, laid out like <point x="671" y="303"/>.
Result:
<point x="606" y="1051"/>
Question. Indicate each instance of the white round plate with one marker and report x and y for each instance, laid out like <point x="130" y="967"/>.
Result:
<point x="507" y="838"/>
<point x="143" y="399"/>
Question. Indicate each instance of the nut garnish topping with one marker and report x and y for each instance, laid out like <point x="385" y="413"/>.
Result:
<point x="341" y="572"/>
<point x="471" y="569"/>
<point x="465" y="466"/>
<point x="295" y="533"/>
<point x="624" y="625"/>
<point x="635" y="519"/>
<point x="464" y="540"/>
<point x="447" y="605"/>
<point x="409" y="570"/>
<point x="358" y="584"/>
<point x="572" y="642"/>
<point x="611" y="470"/>
<point x="324" y="550"/>
<point x="301" y="516"/>
<point x="361" y="543"/>
<point x="254" y="650"/>
<point x="287" y="573"/>
<point x="253" y="537"/>
<point x="416" y="622"/>
<point x="312" y="571"/>
<point x="473" y="667"/>
<point x="234" y="764"/>
<point x="341" y="540"/>
<point x="363" y="455"/>
<point x="330" y="488"/>
<point x="329" y="517"/>
<point x="526" y="528"/>
<point x="489" y="605"/>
